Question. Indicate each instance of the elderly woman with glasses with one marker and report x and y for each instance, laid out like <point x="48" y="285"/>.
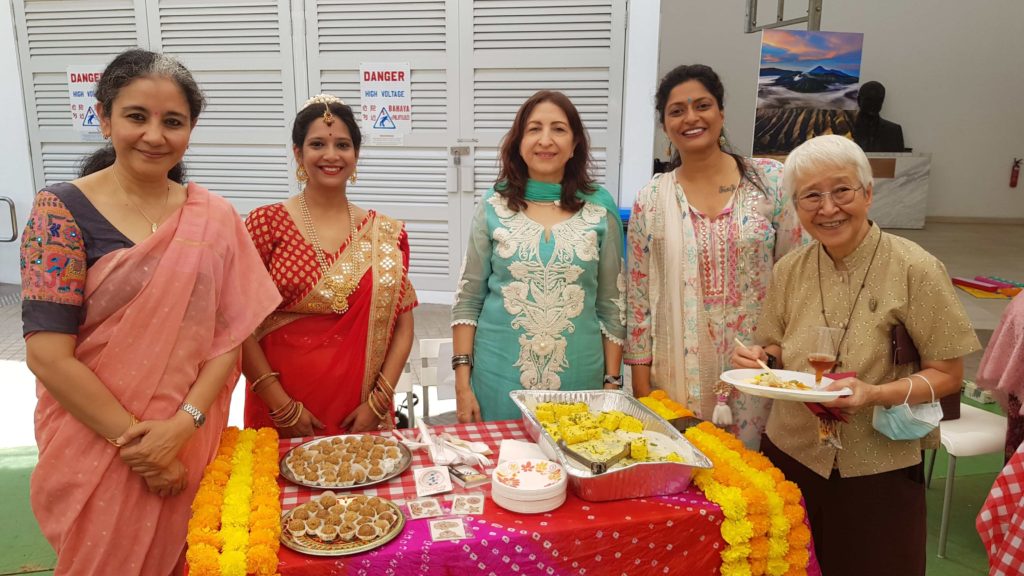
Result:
<point x="870" y="285"/>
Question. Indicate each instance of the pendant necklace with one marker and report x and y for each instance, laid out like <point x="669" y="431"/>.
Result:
<point x="341" y="289"/>
<point x="863" y="281"/>
<point x="153" y="224"/>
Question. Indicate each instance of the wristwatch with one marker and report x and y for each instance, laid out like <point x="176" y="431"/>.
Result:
<point x="617" y="380"/>
<point x="198" y="418"/>
<point x="773" y="362"/>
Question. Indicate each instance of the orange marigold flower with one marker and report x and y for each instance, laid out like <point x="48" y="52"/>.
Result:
<point x="204" y="535"/>
<point x="202" y="560"/>
<point x="794" y="513"/>
<point x="799" y="536"/>
<point x="261" y="560"/>
<point x="759" y="547"/>
<point x="761" y="523"/>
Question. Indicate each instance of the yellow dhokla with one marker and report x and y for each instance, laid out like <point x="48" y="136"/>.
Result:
<point x="610" y="420"/>
<point x="545" y="414"/>
<point x="576" y="434"/>
<point x="673" y="457"/>
<point x="631" y="424"/>
<point x="638" y="449"/>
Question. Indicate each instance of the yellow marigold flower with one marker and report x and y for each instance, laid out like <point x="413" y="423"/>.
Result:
<point x="735" y="553"/>
<point x="232" y="563"/>
<point x="777" y="567"/>
<point x="736" y="531"/>
<point x="735" y="569"/>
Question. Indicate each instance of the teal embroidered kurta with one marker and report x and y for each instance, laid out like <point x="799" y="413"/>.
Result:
<point x="540" y="304"/>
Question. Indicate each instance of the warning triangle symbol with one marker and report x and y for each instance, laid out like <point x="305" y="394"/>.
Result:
<point x="90" y="118"/>
<point x="384" y="121"/>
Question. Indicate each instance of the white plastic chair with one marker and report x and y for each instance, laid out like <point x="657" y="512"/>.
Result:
<point x="404" y="386"/>
<point x="976" y="432"/>
<point x="428" y="372"/>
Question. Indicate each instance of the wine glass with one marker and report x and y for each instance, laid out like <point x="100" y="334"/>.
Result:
<point x="823" y="357"/>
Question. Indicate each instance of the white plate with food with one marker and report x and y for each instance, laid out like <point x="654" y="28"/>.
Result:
<point x="790" y="385"/>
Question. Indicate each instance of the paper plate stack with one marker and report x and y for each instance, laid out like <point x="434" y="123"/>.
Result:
<point x="529" y="486"/>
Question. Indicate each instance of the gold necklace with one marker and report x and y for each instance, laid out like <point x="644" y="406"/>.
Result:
<point x="341" y="289"/>
<point x="153" y="224"/>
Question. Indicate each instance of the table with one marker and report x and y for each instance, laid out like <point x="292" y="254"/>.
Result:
<point x="1001" y="520"/>
<point x="675" y="534"/>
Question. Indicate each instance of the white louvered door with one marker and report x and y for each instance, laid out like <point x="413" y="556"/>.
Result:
<point x="240" y="52"/>
<point x="473" y="62"/>
<point x="517" y="47"/>
<point x="53" y="34"/>
<point x="414" y="182"/>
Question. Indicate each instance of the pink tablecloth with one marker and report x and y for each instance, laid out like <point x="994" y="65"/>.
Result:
<point x="677" y="534"/>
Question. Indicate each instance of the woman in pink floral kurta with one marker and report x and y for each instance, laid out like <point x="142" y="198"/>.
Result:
<point x="696" y="280"/>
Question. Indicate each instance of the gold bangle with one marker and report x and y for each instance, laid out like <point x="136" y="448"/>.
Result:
<point x="131" y="422"/>
<point x="377" y="411"/>
<point x="387" y="383"/>
<point x="252" y="386"/>
<point x="295" y="417"/>
<point x="283" y="412"/>
<point x="279" y="413"/>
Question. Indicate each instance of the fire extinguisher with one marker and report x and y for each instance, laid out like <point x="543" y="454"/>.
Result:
<point x="1014" y="172"/>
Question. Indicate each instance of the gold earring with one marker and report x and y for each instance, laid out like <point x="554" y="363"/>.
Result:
<point x="721" y="141"/>
<point x="301" y="175"/>
<point x="352" y="178"/>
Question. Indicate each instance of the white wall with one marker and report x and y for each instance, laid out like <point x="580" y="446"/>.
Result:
<point x="15" y="159"/>
<point x="953" y="72"/>
<point x="639" y="86"/>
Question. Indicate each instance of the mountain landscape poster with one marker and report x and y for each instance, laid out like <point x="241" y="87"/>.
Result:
<point x="807" y="86"/>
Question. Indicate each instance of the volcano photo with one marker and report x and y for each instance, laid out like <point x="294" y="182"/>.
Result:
<point x="807" y="86"/>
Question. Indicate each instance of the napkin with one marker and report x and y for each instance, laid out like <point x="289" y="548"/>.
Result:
<point x="518" y="450"/>
<point x="829" y="418"/>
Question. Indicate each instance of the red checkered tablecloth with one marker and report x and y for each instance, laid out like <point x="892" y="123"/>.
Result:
<point x="1001" y="520"/>
<point x="403" y="487"/>
<point x="676" y="534"/>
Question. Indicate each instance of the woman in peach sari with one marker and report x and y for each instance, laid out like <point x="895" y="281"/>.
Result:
<point x="133" y="326"/>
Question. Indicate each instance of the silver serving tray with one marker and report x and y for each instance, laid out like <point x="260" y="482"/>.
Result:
<point x="404" y="461"/>
<point x="635" y="480"/>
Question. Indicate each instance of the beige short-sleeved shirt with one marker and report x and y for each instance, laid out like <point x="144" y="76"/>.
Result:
<point x="904" y="284"/>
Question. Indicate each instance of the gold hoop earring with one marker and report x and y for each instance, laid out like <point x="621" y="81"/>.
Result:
<point x="301" y="175"/>
<point x="352" y="178"/>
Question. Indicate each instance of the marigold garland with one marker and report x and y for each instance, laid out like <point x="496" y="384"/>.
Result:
<point x="235" y="525"/>
<point x="764" y="526"/>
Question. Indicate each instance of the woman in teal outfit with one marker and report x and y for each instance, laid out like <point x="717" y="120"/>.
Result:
<point x="540" y="301"/>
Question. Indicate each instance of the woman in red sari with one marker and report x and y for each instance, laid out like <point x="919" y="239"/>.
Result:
<point x="326" y="361"/>
<point x="137" y="293"/>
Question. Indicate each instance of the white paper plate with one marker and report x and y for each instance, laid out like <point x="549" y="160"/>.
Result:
<point x="743" y="380"/>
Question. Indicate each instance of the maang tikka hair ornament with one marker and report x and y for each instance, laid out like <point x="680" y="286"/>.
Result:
<point x="326" y="100"/>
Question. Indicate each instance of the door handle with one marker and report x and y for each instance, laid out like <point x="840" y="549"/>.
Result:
<point x="457" y="173"/>
<point x="14" y="220"/>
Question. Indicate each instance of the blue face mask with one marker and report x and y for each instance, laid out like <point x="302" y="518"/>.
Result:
<point x="906" y="422"/>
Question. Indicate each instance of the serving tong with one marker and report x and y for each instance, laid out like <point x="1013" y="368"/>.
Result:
<point x="595" y="466"/>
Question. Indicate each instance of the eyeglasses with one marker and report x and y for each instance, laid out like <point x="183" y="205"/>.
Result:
<point x="841" y="196"/>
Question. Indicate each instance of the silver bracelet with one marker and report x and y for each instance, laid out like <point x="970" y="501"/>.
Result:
<point x="460" y="359"/>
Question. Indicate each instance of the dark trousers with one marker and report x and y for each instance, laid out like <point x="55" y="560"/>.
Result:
<point x="866" y="525"/>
